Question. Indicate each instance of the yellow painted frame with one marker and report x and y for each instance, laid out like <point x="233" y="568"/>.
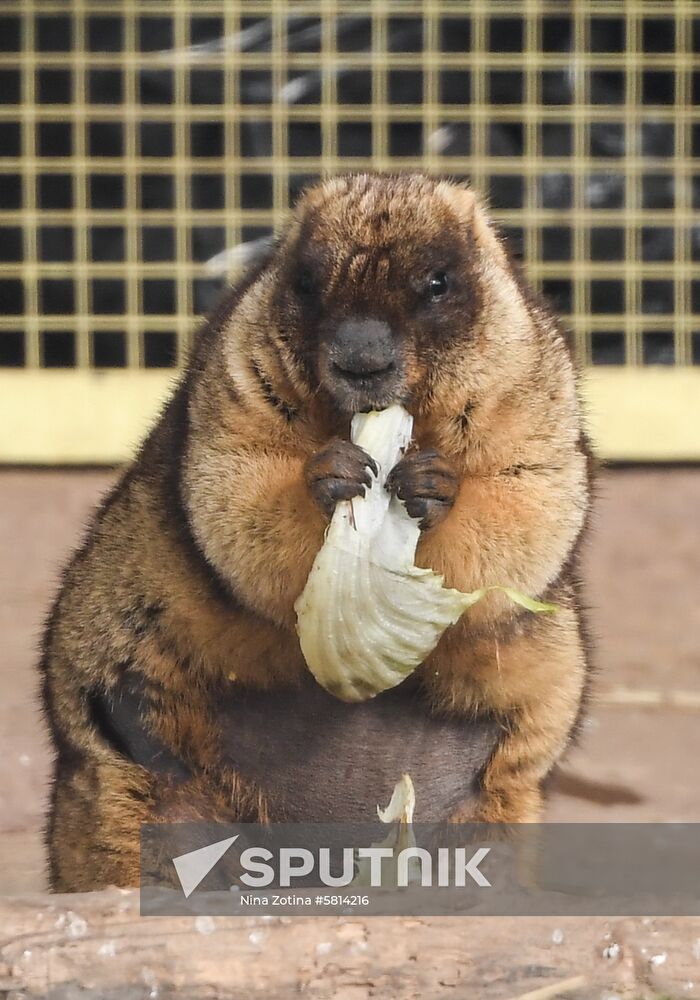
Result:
<point x="77" y="417"/>
<point x="85" y="417"/>
<point x="644" y="414"/>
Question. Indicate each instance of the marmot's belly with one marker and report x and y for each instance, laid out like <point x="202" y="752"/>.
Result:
<point x="318" y="759"/>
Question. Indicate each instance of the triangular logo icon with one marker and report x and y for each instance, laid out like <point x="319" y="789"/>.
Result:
<point x="193" y="867"/>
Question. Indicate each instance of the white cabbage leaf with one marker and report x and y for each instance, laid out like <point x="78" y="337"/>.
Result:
<point x="399" y="813"/>
<point x="368" y="616"/>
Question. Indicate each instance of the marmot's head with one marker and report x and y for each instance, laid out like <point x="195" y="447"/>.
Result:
<point x="377" y="277"/>
<point x="393" y="289"/>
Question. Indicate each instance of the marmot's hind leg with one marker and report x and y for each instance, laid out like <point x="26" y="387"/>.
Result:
<point x="124" y="778"/>
<point x="97" y="814"/>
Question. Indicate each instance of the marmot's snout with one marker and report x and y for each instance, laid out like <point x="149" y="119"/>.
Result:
<point x="363" y="365"/>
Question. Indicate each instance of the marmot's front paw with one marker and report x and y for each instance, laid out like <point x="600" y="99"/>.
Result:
<point x="427" y="484"/>
<point x="338" y="472"/>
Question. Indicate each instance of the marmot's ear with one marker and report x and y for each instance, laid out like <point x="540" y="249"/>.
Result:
<point x="469" y="208"/>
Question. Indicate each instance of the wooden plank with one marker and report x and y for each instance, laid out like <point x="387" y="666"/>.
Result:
<point x="95" y="945"/>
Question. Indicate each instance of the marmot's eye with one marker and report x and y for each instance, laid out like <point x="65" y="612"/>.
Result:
<point x="305" y="283"/>
<point x="437" y="286"/>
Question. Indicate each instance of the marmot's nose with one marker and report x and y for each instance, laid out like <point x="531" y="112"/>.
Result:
<point x="363" y="348"/>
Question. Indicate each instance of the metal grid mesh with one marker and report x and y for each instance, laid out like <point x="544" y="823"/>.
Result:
<point x="138" y="140"/>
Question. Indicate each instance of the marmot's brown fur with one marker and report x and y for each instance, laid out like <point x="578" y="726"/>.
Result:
<point x="174" y="683"/>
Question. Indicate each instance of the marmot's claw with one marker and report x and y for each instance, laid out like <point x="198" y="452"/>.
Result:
<point x="427" y="484"/>
<point x="339" y="472"/>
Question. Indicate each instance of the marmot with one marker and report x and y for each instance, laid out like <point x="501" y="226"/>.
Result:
<point x="174" y="684"/>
